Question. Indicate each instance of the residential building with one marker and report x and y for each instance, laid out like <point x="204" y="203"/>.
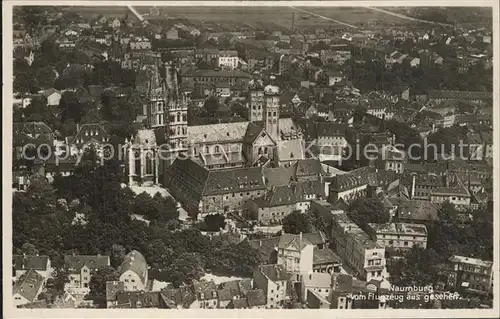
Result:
<point x="471" y="96"/>
<point x="91" y="135"/>
<point x="217" y="191"/>
<point x="81" y="267"/>
<point x="295" y="253"/>
<point x="27" y="288"/>
<point x="115" y="24"/>
<point x="228" y="60"/>
<point x="134" y="271"/>
<point x="399" y="236"/>
<point x="172" y="34"/>
<point x="316" y="289"/>
<point x="139" y="299"/>
<point x="180" y="298"/>
<point x="254" y="299"/>
<point x="41" y="264"/>
<point x="53" y="96"/>
<point x="210" y="76"/>
<point x="413" y="211"/>
<point x="471" y="275"/>
<point x="280" y="201"/>
<point x="273" y="280"/>
<point x="206" y="294"/>
<point x="351" y="185"/>
<point x="363" y="255"/>
<point x="112" y="288"/>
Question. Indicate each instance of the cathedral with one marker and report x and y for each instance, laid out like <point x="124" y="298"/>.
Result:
<point x="266" y="140"/>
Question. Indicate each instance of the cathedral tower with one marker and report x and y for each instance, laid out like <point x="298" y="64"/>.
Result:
<point x="272" y="110"/>
<point x="167" y="112"/>
<point x="256" y="98"/>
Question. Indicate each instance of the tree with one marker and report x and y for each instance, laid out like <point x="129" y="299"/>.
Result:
<point x="45" y="77"/>
<point x="159" y="255"/>
<point x="186" y="268"/>
<point x="296" y="223"/>
<point x="60" y="281"/>
<point x="23" y="83"/>
<point x="71" y="108"/>
<point x="363" y="211"/>
<point x="73" y="76"/>
<point x="29" y="249"/>
<point x="215" y="222"/>
<point x="99" y="278"/>
<point x="419" y="267"/>
<point x="211" y="105"/>
<point x="118" y="252"/>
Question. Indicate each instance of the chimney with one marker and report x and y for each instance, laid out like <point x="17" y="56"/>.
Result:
<point x="260" y="242"/>
<point x="77" y="127"/>
<point x="412" y="194"/>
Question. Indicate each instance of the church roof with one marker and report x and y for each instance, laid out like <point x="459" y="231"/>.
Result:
<point x="218" y="133"/>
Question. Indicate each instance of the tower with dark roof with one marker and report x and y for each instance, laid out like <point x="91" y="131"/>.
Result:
<point x="272" y="110"/>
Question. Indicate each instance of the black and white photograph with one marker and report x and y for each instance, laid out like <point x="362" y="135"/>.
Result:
<point x="266" y="156"/>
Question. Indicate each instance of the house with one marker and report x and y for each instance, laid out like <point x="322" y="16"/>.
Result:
<point x="351" y="185"/>
<point x="53" y="96"/>
<point x="399" y="236"/>
<point x="139" y="299"/>
<point x="254" y="299"/>
<point x="414" y="211"/>
<point x="273" y="280"/>
<point x="280" y="201"/>
<point x="345" y="290"/>
<point x="334" y="77"/>
<point x="172" y="34"/>
<point x="180" y="298"/>
<point x="206" y="294"/>
<point x="112" y="288"/>
<point x="81" y="267"/>
<point x="472" y="276"/>
<point x="316" y="289"/>
<point x="457" y="195"/>
<point x="134" y="271"/>
<point x="41" y="264"/>
<point x="471" y="96"/>
<point x="228" y="60"/>
<point x="237" y="289"/>
<point x="90" y="135"/>
<point x="365" y="257"/>
<point x="415" y="62"/>
<point x="115" y="24"/>
<point x="223" y="190"/>
<point x="27" y="288"/>
<point x="295" y="253"/>
<point x="392" y="159"/>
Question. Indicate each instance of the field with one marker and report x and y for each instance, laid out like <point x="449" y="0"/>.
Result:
<point x="244" y="18"/>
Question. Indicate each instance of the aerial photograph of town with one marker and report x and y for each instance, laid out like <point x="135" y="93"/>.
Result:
<point x="259" y="157"/>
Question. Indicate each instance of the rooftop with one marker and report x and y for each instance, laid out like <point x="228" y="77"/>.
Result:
<point x="399" y="228"/>
<point x="471" y="261"/>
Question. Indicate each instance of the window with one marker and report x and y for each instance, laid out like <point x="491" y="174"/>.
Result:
<point x="132" y="280"/>
<point x="135" y="287"/>
<point x="406" y="243"/>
